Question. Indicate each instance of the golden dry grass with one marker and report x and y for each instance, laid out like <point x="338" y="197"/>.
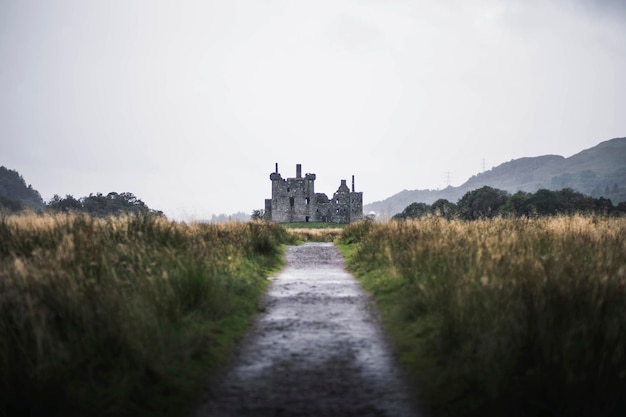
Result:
<point x="315" y="235"/>
<point x="121" y="316"/>
<point x="489" y="312"/>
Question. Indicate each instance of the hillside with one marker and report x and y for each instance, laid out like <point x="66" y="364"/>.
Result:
<point x="599" y="172"/>
<point x="15" y="195"/>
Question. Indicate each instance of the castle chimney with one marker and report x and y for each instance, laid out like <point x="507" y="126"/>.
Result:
<point x="277" y="167"/>
<point x="353" y="183"/>
<point x="298" y="171"/>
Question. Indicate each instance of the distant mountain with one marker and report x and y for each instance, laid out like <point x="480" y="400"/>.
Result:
<point x="15" y="195"/>
<point x="599" y="172"/>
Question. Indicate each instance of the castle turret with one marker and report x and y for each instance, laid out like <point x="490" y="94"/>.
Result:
<point x="343" y="187"/>
<point x="275" y="176"/>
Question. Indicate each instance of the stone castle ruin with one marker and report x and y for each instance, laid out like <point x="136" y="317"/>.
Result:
<point x="295" y="200"/>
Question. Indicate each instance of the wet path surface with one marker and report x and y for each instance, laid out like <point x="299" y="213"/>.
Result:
<point x="316" y="350"/>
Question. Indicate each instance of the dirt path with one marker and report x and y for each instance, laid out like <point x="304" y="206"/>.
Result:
<point x="316" y="350"/>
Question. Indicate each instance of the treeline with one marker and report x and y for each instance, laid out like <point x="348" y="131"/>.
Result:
<point x="17" y="197"/>
<point x="99" y="205"/>
<point x="112" y="204"/>
<point x="488" y="202"/>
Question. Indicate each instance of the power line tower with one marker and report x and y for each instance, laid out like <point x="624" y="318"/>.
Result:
<point x="447" y="177"/>
<point x="483" y="164"/>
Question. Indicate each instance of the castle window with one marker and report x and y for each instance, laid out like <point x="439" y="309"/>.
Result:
<point x="291" y="202"/>
<point x="308" y="200"/>
<point x="288" y="189"/>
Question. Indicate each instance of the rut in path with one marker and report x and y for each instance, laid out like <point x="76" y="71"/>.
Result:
<point x="316" y="350"/>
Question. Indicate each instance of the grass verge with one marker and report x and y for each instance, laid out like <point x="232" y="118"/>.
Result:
<point x="503" y="317"/>
<point x="123" y="316"/>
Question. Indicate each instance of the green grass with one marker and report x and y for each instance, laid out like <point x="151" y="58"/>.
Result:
<point x="121" y="317"/>
<point x="313" y="225"/>
<point x="503" y="317"/>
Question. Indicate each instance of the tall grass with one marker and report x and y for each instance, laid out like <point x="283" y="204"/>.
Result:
<point x="122" y="316"/>
<point x="503" y="317"/>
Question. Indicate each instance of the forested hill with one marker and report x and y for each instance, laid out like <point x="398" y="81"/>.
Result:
<point x="15" y="194"/>
<point x="599" y="172"/>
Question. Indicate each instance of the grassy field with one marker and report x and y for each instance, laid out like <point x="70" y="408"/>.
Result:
<point x="125" y="316"/>
<point x="523" y="317"/>
<point x="313" y="225"/>
<point x="129" y="316"/>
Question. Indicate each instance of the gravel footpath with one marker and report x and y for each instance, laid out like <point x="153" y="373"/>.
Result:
<point x="316" y="350"/>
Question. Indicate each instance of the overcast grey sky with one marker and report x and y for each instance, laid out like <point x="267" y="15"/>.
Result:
<point x="188" y="104"/>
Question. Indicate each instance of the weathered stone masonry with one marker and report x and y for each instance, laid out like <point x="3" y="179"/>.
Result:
<point x="295" y="200"/>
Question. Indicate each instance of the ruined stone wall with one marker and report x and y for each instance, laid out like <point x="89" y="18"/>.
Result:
<point x="295" y="200"/>
<point x="356" y="207"/>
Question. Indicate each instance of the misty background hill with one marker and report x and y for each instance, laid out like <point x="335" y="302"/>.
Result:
<point x="599" y="172"/>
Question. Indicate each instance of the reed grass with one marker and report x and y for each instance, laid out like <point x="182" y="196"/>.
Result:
<point x="123" y="316"/>
<point x="518" y="317"/>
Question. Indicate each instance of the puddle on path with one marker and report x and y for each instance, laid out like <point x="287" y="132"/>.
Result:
<point x="316" y="350"/>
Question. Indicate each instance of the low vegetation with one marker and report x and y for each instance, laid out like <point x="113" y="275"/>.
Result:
<point x="130" y="315"/>
<point x="516" y="317"/>
<point x="123" y="316"/>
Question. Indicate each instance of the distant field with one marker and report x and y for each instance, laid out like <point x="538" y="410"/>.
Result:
<point x="123" y="316"/>
<point x="314" y="231"/>
<point x="313" y="225"/>
<point x="503" y="317"/>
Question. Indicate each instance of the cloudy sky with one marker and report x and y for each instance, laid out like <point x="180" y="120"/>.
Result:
<point x="188" y="104"/>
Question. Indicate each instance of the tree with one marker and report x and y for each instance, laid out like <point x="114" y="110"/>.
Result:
<point x="565" y="201"/>
<point x="444" y="208"/>
<point x="67" y="204"/>
<point x="257" y="215"/>
<point x="11" y="206"/>
<point x="545" y="202"/>
<point x="603" y="206"/>
<point x="481" y="203"/>
<point x="519" y="205"/>
<point x="413" y="211"/>
<point x="112" y="204"/>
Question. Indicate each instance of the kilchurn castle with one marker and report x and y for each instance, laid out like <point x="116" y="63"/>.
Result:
<point x="295" y="200"/>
